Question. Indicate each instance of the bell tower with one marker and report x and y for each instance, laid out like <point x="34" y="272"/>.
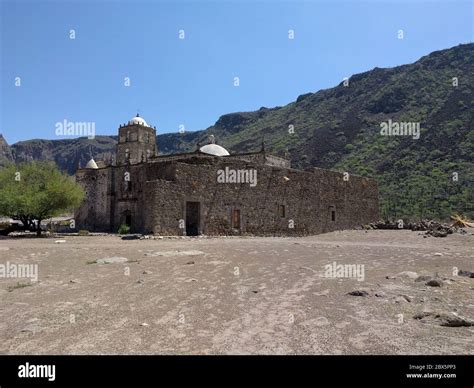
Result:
<point x="137" y="142"/>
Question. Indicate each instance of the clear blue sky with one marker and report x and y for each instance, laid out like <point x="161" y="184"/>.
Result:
<point x="190" y="81"/>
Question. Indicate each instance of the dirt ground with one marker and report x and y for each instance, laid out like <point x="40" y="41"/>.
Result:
<point x="236" y="295"/>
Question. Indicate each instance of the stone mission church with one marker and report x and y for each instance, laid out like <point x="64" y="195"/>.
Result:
<point x="212" y="192"/>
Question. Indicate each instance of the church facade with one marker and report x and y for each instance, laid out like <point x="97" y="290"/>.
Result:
<point x="212" y="192"/>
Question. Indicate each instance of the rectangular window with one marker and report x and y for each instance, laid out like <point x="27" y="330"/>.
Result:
<point x="333" y="215"/>
<point x="282" y="211"/>
<point x="236" y="219"/>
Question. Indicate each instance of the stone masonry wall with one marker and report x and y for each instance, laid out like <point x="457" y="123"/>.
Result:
<point x="93" y="214"/>
<point x="308" y="199"/>
<point x="284" y="201"/>
<point x="136" y="144"/>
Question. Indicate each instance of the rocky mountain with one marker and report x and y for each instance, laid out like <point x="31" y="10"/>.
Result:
<point x="5" y="151"/>
<point x="429" y="175"/>
<point x="68" y="154"/>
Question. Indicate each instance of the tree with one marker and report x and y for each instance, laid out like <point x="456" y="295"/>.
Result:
<point x="35" y="191"/>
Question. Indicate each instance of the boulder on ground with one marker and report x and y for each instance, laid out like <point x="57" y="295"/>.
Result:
<point x="434" y="282"/>
<point x="112" y="260"/>
<point x="431" y="227"/>
<point x="408" y="274"/>
<point x="468" y="274"/>
<point x="423" y="278"/>
<point x="131" y="237"/>
<point x="358" y="293"/>
<point x="443" y="319"/>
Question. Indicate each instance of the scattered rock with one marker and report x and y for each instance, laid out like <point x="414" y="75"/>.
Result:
<point x="438" y="254"/>
<point x="399" y="299"/>
<point x="175" y="253"/>
<point x="437" y="233"/>
<point x="402" y="299"/>
<point x="468" y="274"/>
<point x="131" y="237"/>
<point x="432" y="228"/>
<point x="384" y="225"/>
<point x="321" y="321"/>
<point x="423" y="278"/>
<point x="73" y="281"/>
<point x="443" y="319"/>
<point x="144" y="324"/>
<point x="190" y="263"/>
<point x="434" y="282"/>
<point x="147" y="272"/>
<point x="380" y="294"/>
<point x="408" y="274"/>
<point x="112" y="260"/>
<point x="32" y="327"/>
<point x="140" y="281"/>
<point x="322" y="293"/>
<point x="358" y="293"/>
<point x="60" y="241"/>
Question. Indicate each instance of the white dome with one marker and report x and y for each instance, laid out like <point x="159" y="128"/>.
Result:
<point x="92" y="164"/>
<point x="138" y="120"/>
<point x="214" y="149"/>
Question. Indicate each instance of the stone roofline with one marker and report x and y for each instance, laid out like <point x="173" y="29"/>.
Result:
<point x="125" y="125"/>
<point x="156" y="159"/>
<point x="289" y="169"/>
<point x="197" y="152"/>
<point x="285" y="169"/>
